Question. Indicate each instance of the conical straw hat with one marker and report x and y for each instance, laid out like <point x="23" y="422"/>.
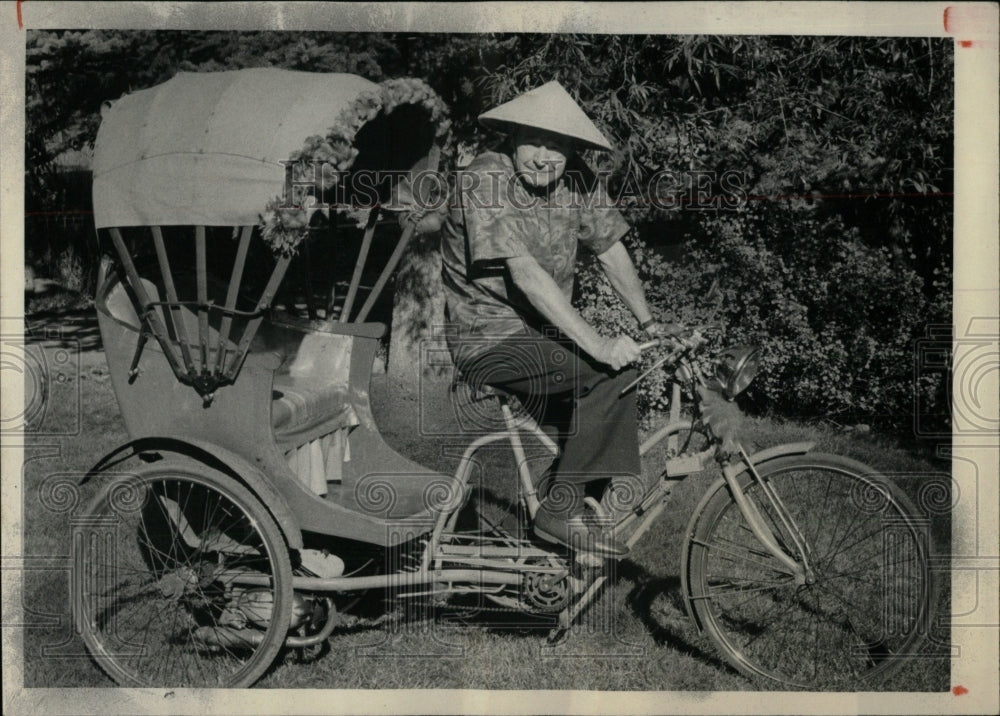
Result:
<point x="548" y="107"/>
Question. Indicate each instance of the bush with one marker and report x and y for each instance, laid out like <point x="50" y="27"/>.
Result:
<point x="835" y="318"/>
<point x="674" y="294"/>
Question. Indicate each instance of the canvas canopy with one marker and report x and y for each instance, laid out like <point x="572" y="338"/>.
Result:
<point x="215" y="149"/>
<point x="207" y="148"/>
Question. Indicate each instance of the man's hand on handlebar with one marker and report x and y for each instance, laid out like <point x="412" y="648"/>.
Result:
<point x="675" y="338"/>
<point x="618" y="352"/>
<point x="662" y="330"/>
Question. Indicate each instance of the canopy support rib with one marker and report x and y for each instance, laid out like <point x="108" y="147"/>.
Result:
<point x="234" y="289"/>
<point x="433" y="159"/>
<point x="149" y="316"/>
<point x="202" y="278"/>
<point x="176" y="313"/>
<point x="397" y="254"/>
<point x="254" y="323"/>
<point x="359" y="265"/>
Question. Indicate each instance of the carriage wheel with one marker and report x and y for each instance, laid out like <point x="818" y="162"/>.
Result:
<point x="181" y="578"/>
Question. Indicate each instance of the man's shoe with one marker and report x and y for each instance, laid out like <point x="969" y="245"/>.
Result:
<point x="578" y="533"/>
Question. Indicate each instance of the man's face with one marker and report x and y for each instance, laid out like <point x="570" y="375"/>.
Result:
<point x="540" y="156"/>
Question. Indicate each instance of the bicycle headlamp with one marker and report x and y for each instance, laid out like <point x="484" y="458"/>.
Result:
<point x="736" y="368"/>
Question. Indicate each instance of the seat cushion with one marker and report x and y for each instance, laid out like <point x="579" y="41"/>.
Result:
<point x="300" y="404"/>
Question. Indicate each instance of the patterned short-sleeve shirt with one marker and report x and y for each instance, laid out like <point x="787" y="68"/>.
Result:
<point x="493" y="217"/>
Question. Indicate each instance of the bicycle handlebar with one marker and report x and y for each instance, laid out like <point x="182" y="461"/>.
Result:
<point x="679" y="346"/>
<point x="695" y="340"/>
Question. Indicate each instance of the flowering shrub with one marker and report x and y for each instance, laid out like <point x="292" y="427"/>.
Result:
<point x="835" y="317"/>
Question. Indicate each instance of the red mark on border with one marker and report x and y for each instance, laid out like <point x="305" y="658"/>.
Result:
<point x="959" y="690"/>
<point x="20" y="20"/>
<point x="969" y="21"/>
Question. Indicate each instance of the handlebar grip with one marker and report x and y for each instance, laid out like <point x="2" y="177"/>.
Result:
<point x="695" y="340"/>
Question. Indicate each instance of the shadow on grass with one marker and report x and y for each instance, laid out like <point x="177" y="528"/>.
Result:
<point x="641" y="600"/>
<point x="74" y="328"/>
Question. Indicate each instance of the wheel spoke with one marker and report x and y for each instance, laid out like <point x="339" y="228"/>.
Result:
<point x="764" y="632"/>
<point x="171" y="632"/>
<point x="733" y="606"/>
<point x="850" y="608"/>
<point x="859" y="540"/>
<point x="714" y="593"/>
<point x="147" y="538"/>
<point x="905" y="560"/>
<point x="811" y="544"/>
<point x="741" y="558"/>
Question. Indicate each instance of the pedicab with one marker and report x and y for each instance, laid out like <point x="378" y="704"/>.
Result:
<point x="241" y="518"/>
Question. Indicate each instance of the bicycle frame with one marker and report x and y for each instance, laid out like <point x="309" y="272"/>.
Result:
<point x="799" y="568"/>
<point x="438" y="547"/>
<point x="490" y="562"/>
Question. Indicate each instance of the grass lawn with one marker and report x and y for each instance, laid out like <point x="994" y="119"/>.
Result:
<point x="635" y="637"/>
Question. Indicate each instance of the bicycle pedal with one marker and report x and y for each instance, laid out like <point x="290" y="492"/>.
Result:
<point x="683" y="466"/>
<point x="577" y="585"/>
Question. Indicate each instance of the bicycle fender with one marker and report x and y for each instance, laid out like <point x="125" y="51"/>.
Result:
<point x="759" y="458"/>
<point x="730" y="471"/>
<point x="220" y="459"/>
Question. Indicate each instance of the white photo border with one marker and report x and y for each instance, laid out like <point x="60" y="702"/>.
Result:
<point x="975" y="574"/>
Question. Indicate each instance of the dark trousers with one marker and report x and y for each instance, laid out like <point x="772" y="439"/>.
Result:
<point x="566" y="392"/>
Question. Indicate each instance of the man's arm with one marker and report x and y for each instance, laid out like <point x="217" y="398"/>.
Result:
<point x="545" y="295"/>
<point x="620" y="270"/>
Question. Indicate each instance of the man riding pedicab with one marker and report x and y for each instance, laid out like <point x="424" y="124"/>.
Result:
<point x="509" y="250"/>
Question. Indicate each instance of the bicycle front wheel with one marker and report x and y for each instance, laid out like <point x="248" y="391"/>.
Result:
<point x="870" y="603"/>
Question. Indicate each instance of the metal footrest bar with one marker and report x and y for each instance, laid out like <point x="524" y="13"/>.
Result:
<point x="380" y="581"/>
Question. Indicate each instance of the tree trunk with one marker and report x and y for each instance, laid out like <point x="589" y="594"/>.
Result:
<point x="417" y="347"/>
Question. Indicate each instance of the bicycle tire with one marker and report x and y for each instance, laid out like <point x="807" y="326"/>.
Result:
<point x="872" y="600"/>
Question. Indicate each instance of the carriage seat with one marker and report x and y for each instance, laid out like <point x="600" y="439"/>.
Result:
<point x="310" y="387"/>
<point x="300" y="404"/>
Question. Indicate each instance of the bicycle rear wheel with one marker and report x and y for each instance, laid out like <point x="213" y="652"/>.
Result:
<point x="181" y="578"/>
<point x="870" y="604"/>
